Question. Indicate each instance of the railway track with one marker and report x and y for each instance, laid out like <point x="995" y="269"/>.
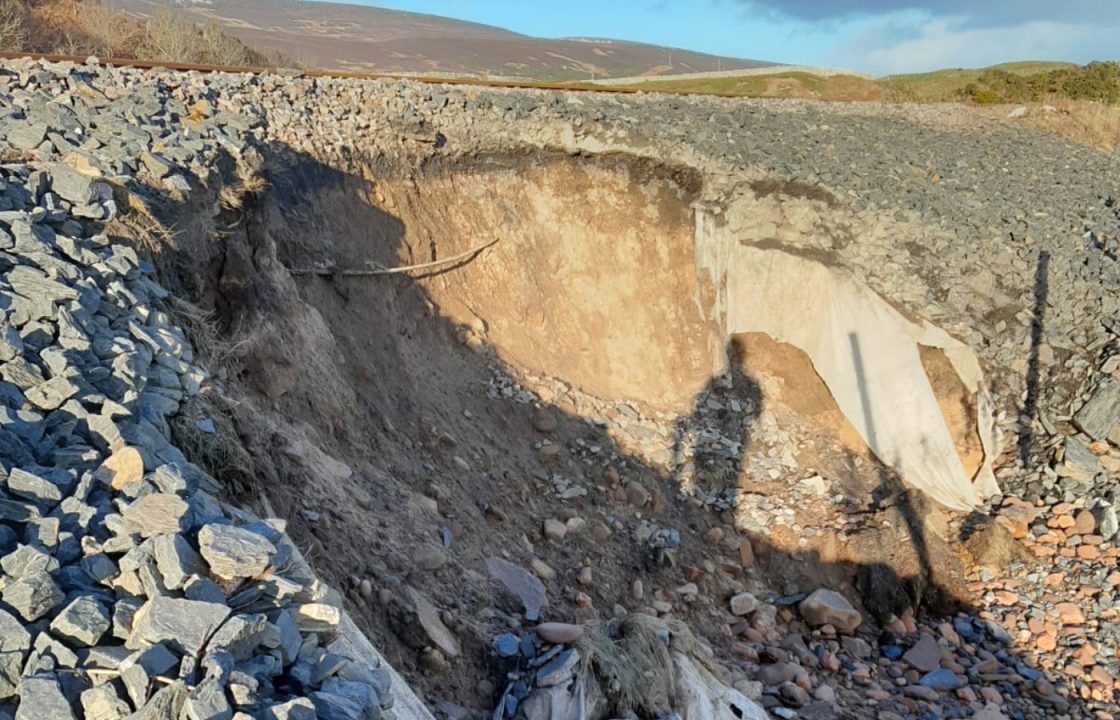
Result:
<point x="434" y="80"/>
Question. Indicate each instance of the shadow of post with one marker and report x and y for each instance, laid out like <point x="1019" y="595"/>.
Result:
<point x="1030" y="402"/>
<point x="889" y="492"/>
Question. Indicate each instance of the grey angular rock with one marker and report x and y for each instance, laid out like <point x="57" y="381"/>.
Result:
<point x="520" y="583"/>
<point x="43" y="533"/>
<point x="49" y="653"/>
<point x="1108" y="521"/>
<point x="156" y="514"/>
<point x="100" y="567"/>
<point x="1100" y="417"/>
<point x="559" y="669"/>
<point x="40" y="697"/>
<point x="83" y="622"/>
<point x="103" y="703"/>
<point x="73" y="186"/>
<point x="239" y="635"/>
<point x="1078" y="462"/>
<point x="234" y="552"/>
<point x="28" y="560"/>
<point x="14" y="637"/>
<point x="318" y="618"/>
<point x="156" y="165"/>
<point x="329" y="706"/>
<point x="290" y="639"/>
<point x="827" y="607"/>
<point x="51" y="394"/>
<point x="11" y="344"/>
<point x="139" y="670"/>
<point x="166" y="704"/>
<point x="176" y="559"/>
<point x="207" y="702"/>
<point x="33" y="596"/>
<point x="11" y="667"/>
<point x="297" y="709"/>
<point x="205" y="589"/>
<point x="925" y="655"/>
<point x="35" y="487"/>
<point x="428" y="617"/>
<point x="16" y="511"/>
<point x="183" y="624"/>
<point x="27" y="135"/>
<point x="34" y="284"/>
<point x="21" y="373"/>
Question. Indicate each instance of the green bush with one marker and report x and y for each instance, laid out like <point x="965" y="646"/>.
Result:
<point x="1097" y="82"/>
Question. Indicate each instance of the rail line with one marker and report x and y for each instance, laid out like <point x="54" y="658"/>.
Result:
<point x="298" y="72"/>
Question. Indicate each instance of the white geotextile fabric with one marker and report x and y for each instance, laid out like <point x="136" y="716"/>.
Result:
<point x="704" y="697"/>
<point x="867" y="354"/>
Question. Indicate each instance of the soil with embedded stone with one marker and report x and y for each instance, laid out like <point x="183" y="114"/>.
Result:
<point x="540" y="428"/>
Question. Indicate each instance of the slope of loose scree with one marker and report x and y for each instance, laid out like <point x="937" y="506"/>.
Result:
<point x="129" y="589"/>
<point x="564" y="401"/>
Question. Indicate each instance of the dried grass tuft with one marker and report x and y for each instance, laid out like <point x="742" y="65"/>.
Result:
<point x="632" y="661"/>
<point x="1089" y="123"/>
<point x="220" y="453"/>
<point x="214" y="350"/>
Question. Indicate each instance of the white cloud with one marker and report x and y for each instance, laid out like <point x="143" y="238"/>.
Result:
<point x="940" y="43"/>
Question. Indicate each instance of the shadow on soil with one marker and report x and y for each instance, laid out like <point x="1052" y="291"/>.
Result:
<point x="395" y="393"/>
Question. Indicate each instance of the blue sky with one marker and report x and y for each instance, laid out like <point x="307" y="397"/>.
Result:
<point x="877" y="36"/>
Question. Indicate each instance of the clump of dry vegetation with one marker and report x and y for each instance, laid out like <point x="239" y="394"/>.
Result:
<point x="1089" y="123"/>
<point x="13" y="24"/>
<point x="74" y="27"/>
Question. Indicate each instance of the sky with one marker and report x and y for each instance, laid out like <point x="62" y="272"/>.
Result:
<point x="873" y="36"/>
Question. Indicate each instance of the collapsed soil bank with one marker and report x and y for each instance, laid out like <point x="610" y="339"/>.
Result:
<point x="592" y="278"/>
<point x="399" y="391"/>
<point x="405" y="454"/>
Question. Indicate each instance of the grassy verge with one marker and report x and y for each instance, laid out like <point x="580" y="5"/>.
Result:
<point x="73" y="27"/>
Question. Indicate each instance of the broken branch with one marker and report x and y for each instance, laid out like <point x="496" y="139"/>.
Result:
<point x="326" y="271"/>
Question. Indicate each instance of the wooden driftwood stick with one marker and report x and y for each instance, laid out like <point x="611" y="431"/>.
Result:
<point x="327" y="272"/>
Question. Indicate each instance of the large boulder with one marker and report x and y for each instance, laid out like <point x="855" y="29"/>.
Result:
<point x="828" y="607"/>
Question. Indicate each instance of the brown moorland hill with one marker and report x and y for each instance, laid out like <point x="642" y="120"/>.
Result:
<point x="360" y="38"/>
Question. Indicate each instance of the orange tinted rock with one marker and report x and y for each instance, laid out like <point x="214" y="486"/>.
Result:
<point x="1083" y="523"/>
<point x="1070" y="614"/>
<point x="1055" y="579"/>
<point x="1086" y="655"/>
<point x="1102" y="676"/>
<point x="124" y="467"/>
<point x="1088" y="552"/>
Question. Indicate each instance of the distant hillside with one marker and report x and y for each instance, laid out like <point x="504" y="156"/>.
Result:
<point x="1007" y="83"/>
<point x="356" y="37"/>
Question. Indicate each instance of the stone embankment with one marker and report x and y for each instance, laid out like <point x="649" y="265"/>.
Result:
<point x="130" y="590"/>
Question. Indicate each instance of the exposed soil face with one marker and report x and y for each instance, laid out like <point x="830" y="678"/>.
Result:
<point x="391" y="421"/>
<point x="381" y="390"/>
<point x="591" y="279"/>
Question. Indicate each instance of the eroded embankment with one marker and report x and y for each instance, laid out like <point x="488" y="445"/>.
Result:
<point x="471" y="403"/>
<point x="582" y="397"/>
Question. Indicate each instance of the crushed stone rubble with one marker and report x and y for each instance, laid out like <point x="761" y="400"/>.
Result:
<point x="128" y="589"/>
<point x="1041" y="641"/>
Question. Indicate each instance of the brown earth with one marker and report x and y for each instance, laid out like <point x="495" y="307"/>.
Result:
<point x="379" y="424"/>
